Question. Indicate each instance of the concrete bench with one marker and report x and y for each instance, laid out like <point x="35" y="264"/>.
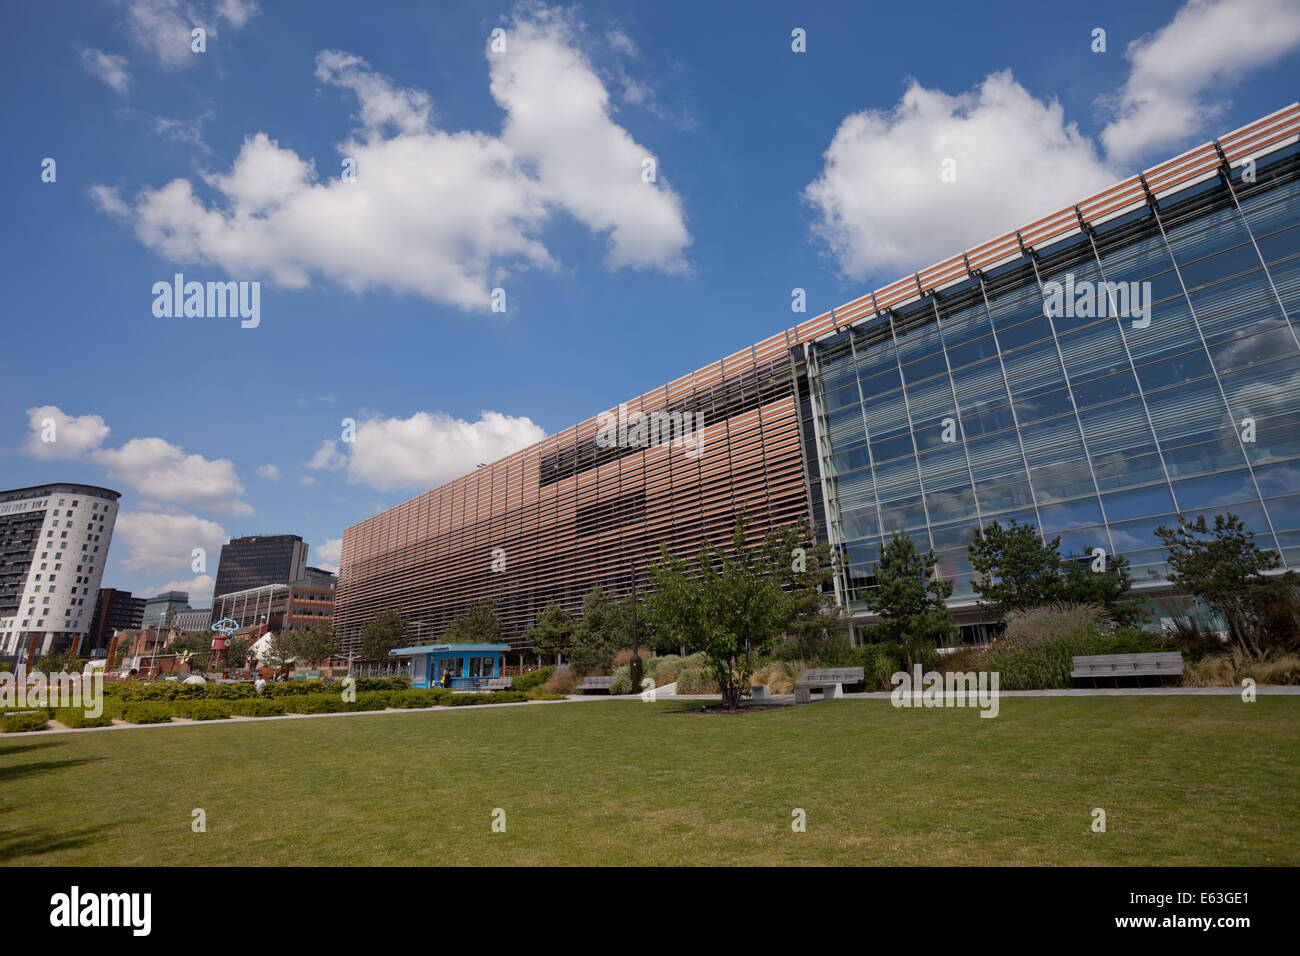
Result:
<point x="1114" y="666"/>
<point x="759" y="693"/>
<point x="595" y="683"/>
<point x="829" y="680"/>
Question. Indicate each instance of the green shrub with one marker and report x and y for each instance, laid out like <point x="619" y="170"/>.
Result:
<point x="312" y="703"/>
<point x="258" y="707"/>
<point x="147" y="712"/>
<point x="383" y="683"/>
<point x="496" y="697"/>
<point x="418" y="697"/>
<point x="1036" y="650"/>
<point x="533" y="679"/>
<point x="663" y="670"/>
<point x="692" y="680"/>
<point x="229" y="691"/>
<point x="75" y="717"/>
<point x="202" y="709"/>
<point x="24" y="721"/>
<point x="880" y="662"/>
<point x="299" y="688"/>
<point x="563" y="681"/>
<point x="375" y="699"/>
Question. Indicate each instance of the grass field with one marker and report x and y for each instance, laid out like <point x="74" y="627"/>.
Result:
<point x="1183" y="780"/>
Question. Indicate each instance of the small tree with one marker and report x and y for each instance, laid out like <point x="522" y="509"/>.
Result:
<point x="388" y="631"/>
<point x="1222" y="567"/>
<point x="805" y="568"/>
<point x="910" y="597"/>
<point x="730" y="605"/>
<point x="599" y="634"/>
<point x="1015" y="569"/>
<point x="281" y="650"/>
<point x="478" y="625"/>
<point x="200" y="648"/>
<point x="554" y="632"/>
<point x="1105" y="587"/>
<point x="315" y="644"/>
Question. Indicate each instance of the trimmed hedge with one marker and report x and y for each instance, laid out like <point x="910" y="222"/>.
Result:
<point x="258" y="707"/>
<point x="148" y="712"/>
<point x="202" y="709"/>
<point x="74" y="717"/>
<point x="24" y="721"/>
<point x="495" y="697"/>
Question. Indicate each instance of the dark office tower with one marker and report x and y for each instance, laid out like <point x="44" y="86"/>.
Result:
<point x="114" y="611"/>
<point x="259" y="560"/>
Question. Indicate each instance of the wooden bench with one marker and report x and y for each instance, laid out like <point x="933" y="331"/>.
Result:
<point x="829" y="680"/>
<point x="595" y="683"/>
<point x="1114" y="666"/>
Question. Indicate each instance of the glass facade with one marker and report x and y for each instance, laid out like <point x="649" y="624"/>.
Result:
<point x="1171" y="386"/>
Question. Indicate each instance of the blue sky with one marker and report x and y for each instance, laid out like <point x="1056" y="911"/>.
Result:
<point x="520" y="169"/>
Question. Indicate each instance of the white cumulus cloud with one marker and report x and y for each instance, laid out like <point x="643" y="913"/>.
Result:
<point x="160" y="543"/>
<point x="56" y="434"/>
<point x="443" y="215"/>
<point x="881" y="198"/>
<point x="425" y="450"/>
<point x="1179" y="74"/>
<point x="109" y="67"/>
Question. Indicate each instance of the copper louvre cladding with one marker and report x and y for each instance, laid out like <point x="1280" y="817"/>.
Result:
<point x="569" y="514"/>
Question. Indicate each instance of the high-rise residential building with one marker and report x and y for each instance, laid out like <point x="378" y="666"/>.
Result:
<point x="258" y="560"/>
<point x="1128" y="358"/>
<point x="53" y="543"/>
<point x="161" y="609"/>
<point x="114" y="611"/>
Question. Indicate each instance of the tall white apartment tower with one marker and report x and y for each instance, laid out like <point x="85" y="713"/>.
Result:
<point x="53" y="545"/>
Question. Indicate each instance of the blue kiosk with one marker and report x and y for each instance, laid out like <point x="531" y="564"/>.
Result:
<point x="458" y="666"/>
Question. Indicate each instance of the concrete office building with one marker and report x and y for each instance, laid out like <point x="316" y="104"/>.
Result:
<point x="1130" y="357"/>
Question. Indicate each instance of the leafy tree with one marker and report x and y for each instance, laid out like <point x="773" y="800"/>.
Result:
<point x="1106" y="589"/>
<point x="314" y="645"/>
<point x="478" y="625"/>
<point x="730" y="604"/>
<point x="388" y="631"/>
<point x="554" y="633"/>
<point x="1223" y="567"/>
<point x="601" y="632"/>
<point x="1015" y="569"/>
<point x="805" y="568"/>
<point x="200" y="648"/>
<point x="910" y="597"/>
<point x="281" y="650"/>
<point x="237" y="653"/>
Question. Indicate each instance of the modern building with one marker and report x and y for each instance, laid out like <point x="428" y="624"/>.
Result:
<point x="258" y="560"/>
<point x="303" y="604"/>
<point x="1097" y="372"/>
<point x="195" y="619"/>
<point x="114" y="611"/>
<point x="53" y="543"/>
<point x="161" y="609"/>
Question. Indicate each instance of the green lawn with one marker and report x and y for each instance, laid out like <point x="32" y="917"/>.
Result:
<point x="1183" y="780"/>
